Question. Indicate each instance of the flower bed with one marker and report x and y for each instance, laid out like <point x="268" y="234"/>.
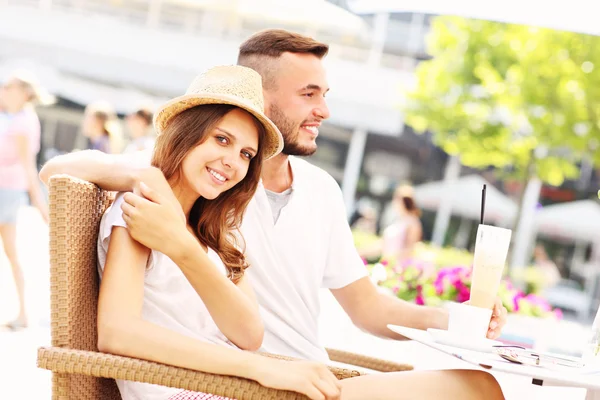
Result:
<point x="431" y="279"/>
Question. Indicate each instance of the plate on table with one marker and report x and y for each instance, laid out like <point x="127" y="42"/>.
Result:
<point x="444" y="337"/>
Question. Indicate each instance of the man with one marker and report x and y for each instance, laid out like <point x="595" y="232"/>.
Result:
<point x="296" y="233"/>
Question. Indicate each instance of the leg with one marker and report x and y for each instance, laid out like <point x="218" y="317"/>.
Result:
<point x="423" y="385"/>
<point x="8" y="233"/>
<point x="592" y="394"/>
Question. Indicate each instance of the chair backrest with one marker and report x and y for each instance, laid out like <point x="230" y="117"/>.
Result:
<point x="76" y="208"/>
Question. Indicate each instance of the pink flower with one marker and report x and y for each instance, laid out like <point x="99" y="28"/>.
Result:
<point x="439" y="287"/>
<point x="558" y="313"/>
<point x="419" y="299"/>
<point x="464" y="293"/>
<point x="539" y="302"/>
<point x="516" y="299"/>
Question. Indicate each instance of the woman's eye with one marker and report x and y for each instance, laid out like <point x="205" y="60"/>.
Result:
<point x="309" y="94"/>
<point x="248" y="155"/>
<point x="222" y="139"/>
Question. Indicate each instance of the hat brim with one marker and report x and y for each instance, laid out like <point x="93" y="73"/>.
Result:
<point x="274" y="140"/>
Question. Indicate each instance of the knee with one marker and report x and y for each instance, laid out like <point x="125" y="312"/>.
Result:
<point x="486" y="385"/>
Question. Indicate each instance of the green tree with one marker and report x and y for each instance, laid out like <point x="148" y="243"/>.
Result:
<point x="522" y="99"/>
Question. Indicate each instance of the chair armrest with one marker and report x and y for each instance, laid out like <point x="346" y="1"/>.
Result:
<point x="340" y="373"/>
<point x="368" y="362"/>
<point x="102" y="365"/>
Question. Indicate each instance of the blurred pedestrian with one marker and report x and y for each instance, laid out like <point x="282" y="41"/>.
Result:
<point x="139" y="127"/>
<point x="100" y="127"/>
<point x="400" y="238"/>
<point x="19" y="144"/>
<point x="546" y="267"/>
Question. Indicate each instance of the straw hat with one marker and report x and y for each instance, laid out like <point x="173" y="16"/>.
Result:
<point x="235" y="85"/>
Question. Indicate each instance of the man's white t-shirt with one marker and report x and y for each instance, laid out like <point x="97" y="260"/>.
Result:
<point x="309" y="247"/>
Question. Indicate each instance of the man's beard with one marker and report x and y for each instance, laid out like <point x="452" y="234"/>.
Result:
<point x="290" y="131"/>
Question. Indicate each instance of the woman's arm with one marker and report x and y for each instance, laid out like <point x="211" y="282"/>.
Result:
<point x="156" y="223"/>
<point x="122" y="331"/>
<point x="233" y="308"/>
<point x="27" y="159"/>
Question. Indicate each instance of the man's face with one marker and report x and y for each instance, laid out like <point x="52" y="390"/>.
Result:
<point x="296" y="103"/>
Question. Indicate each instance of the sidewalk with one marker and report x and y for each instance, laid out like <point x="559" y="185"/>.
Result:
<point x="18" y="349"/>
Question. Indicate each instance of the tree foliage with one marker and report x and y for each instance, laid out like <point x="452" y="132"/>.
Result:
<point x="523" y="99"/>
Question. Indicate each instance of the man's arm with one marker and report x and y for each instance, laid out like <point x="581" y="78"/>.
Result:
<point x="372" y="310"/>
<point x="115" y="172"/>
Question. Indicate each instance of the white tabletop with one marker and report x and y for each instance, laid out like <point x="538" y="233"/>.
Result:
<point x="561" y="376"/>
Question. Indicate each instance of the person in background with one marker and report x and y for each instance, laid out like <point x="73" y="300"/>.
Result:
<point x="99" y="127"/>
<point x="19" y="144"/>
<point x="546" y="267"/>
<point x="139" y="127"/>
<point x="400" y="238"/>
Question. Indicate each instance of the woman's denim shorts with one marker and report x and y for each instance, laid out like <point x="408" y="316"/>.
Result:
<point x="10" y="202"/>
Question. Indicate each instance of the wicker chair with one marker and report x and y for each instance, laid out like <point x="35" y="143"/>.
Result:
<point x="80" y="371"/>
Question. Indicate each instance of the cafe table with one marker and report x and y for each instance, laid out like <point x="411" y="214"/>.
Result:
<point x="540" y="375"/>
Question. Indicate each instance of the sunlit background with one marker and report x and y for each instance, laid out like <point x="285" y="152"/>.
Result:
<point x="421" y="95"/>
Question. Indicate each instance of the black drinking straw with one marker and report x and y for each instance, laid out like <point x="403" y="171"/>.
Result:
<point x="482" y="202"/>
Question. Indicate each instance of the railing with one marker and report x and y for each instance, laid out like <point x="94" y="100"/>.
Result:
<point x="206" y="18"/>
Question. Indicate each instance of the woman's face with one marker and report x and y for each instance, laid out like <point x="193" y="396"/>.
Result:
<point x="399" y="204"/>
<point x="13" y="94"/>
<point x="136" y="126"/>
<point x="223" y="159"/>
<point x="91" y="126"/>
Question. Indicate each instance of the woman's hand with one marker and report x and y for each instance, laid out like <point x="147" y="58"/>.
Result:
<point x="310" y="378"/>
<point x="156" y="221"/>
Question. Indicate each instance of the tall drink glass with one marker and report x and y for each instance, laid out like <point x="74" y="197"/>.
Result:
<point x="491" y="248"/>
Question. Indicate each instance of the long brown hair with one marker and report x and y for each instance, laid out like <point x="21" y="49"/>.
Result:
<point x="404" y="194"/>
<point x="215" y="222"/>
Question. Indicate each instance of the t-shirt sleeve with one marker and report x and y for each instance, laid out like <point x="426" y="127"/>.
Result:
<point x="112" y="217"/>
<point x="344" y="265"/>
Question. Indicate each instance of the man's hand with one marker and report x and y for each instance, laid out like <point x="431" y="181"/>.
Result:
<point x="156" y="221"/>
<point x="498" y="320"/>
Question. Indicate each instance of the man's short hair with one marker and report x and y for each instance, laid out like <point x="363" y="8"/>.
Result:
<point x="261" y="49"/>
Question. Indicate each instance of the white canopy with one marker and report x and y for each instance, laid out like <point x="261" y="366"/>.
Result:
<point x="574" y="15"/>
<point x="311" y="14"/>
<point x="575" y="220"/>
<point x="466" y="199"/>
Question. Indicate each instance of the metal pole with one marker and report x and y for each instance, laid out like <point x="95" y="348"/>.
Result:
<point x="353" y="166"/>
<point x="442" y="218"/>
<point x="356" y="150"/>
<point x="153" y="13"/>
<point x="379" y="35"/>
<point x="526" y="227"/>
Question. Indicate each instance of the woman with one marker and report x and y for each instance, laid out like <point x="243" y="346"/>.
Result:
<point x="19" y="145"/>
<point x="99" y="127"/>
<point x="197" y="313"/>
<point x="400" y="238"/>
<point x="139" y="126"/>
